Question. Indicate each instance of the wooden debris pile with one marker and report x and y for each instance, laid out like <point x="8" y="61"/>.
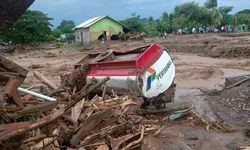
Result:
<point x="111" y="121"/>
<point x="77" y="119"/>
<point x="84" y="116"/>
<point x="132" y="36"/>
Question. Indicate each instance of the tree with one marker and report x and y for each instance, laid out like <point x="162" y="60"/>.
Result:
<point x="66" y="26"/>
<point x="211" y="4"/>
<point x="56" y="33"/>
<point x="243" y="17"/>
<point x="151" y="27"/>
<point x="33" y="26"/>
<point x="225" y="9"/>
<point x="226" y="17"/>
<point x="164" y="23"/>
<point x="216" y="17"/>
<point x="190" y="15"/>
<point x="134" y="22"/>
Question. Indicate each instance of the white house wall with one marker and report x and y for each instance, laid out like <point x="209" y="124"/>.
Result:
<point x="83" y="36"/>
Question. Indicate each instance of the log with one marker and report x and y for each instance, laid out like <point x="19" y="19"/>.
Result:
<point x="34" y="109"/>
<point x="117" y="142"/>
<point x="44" y="80"/>
<point x="76" y="79"/>
<point x="90" y="124"/>
<point x="10" y="66"/>
<point x="101" y="135"/>
<point x="238" y="83"/>
<point x="135" y="142"/>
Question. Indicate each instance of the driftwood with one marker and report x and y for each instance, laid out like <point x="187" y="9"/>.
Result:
<point x="238" y="83"/>
<point x="10" y="66"/>
<point x="217" y="126"/>
<point x="34" y="109"/>
<point x="9" y="75"/>
<point x="44" y="80"/>
<point x="37" y="108"/>
<point x="84" y="93"/>
<point x="16" y="129"/>
<point x="117" y="142"/>
<point x="90" y="124"/>
<point x="125" y="106"/>
<point x="36" y="138"/>
<point x="13" y="75"/>
<point x="137" y="141"/>
<point x="101" y="134"/>
<point x="77" y="79"/>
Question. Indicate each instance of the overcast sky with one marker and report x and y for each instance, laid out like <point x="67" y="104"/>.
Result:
<point x="80" y="10"/>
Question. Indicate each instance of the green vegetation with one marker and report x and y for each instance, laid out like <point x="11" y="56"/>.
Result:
<point x="190" y="15"/>
<point x="134" y="22"/>
<point x="226" y="18"/>
<point x="243" y="17"/>
<point x="35" y="26"/>
<point x="66" y="27"/>
<point x="187" y="16"/>
<point x="211" y="4"/>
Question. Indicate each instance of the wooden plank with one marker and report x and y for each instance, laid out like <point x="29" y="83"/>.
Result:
<point x="10" y="66"/>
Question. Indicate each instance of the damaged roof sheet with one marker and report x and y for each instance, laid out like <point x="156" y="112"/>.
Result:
<point x="89" y="22"/>
<point x="92" y="21"/>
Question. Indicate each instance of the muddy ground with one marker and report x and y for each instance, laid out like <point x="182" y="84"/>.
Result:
<point x="202" y="66"/>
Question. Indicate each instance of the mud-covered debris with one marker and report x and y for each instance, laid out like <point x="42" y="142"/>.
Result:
<point x="234" y="99"/>
<point x="178" y="114"/>
<point x="49" y="120"/>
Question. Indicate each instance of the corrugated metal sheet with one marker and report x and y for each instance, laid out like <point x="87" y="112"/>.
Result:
<point x="92" y="21"/>
<point x="89" y="22"/>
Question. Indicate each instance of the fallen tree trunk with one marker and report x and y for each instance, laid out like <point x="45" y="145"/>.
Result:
<point x="34" y="109"/>
<point x="90" y="124"/>
<point x="44" y="80"/>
